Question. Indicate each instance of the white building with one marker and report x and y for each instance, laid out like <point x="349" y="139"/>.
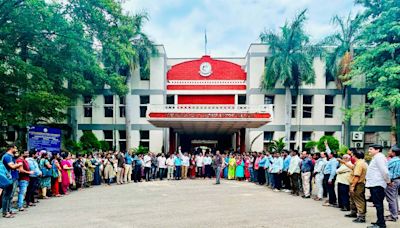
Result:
<point x="217" y="102"/>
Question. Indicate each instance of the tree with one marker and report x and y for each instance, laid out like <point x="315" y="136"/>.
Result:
<point x="277" y="145"/>
<point x="378" y="63"/>
<point x="89" y="141"/>
<point x="52" y="52"/>
<point x="290" y="62"/>
<point x="333" y="143"/>
<point x="339" y="58"/>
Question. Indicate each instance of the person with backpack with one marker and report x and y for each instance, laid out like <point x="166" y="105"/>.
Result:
<point x="46" y="168"/>
<point x="8" y="161"/>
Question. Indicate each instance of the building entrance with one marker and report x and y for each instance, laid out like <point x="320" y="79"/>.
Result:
<point x="191" y="142"/>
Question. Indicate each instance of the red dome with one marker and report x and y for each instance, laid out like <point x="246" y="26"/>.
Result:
<point x="220" y="70"/>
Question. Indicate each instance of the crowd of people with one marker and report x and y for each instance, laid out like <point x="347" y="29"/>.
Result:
<point x="341" y="181"/>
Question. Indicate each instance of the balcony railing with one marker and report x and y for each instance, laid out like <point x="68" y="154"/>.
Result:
<point x="210" y="109"/>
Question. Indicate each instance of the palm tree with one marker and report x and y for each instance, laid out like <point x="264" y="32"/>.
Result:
<point x="290" y="62"/>
<point x="339" y="58"/>
<point x="144" y="48"/>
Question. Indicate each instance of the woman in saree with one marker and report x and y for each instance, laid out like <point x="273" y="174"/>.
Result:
<point x="192" y="168"/>
<point x="239" y="168"/>
<point x="66" y="168"/>
<point x="226" y="162"/>
<point x="89" y="170"/>
<point x="96" y="175"/>
<point x="247" y="167"/>
<point x="231" y="167"/>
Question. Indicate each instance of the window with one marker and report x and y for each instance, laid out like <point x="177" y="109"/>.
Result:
<point x="307" y="112"/>
<point x="294" y="106"/>
<point x="108" y="106"/>
<point x="268" y="135"/>
<point x="87" y="106"/>
<point x="122" y="134"/>
<point x="121" y="106"/>
<point x="144" y="138"/>
<point x="108" y="135"/>
<point x="87" y="99"/>
<point x="292" y="146"/>
<point x="108" y="99"/>
<point x="144" y="101"/>
<point x="368" y="109"/>
<point x="307" y="106"/>
<point x="241" y="99"/>
<point x="87" y="111"/>
<point x="329" y="133"/>
<point x="307" y="99"/>
<point x="108" y="112"/>
<point x="171" y="99"/>
<point x="329" y="107"/>
<point x="307" y="135"/>
<point x="292" y="136"/>
<point x="122" y="145"/>
<point x="269" y="99"/>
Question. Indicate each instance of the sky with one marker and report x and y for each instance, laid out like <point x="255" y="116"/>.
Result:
<point x="231" y="25"/>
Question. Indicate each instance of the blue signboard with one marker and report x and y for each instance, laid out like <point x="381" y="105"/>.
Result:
<point x="44" y="138"/>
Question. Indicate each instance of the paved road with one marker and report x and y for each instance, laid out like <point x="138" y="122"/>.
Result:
<point x="189" y="203"/>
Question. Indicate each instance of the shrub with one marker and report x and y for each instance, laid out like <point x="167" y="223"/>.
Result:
<point x="342" y="150"/>
<point x="332" y="142"/>
<point x="89" y="141"/>
<point x="104" y="146"/>
<point x="140" y="150"/>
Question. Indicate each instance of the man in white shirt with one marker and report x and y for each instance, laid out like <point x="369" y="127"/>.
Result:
<point x="170" y="165"/>
<point x="199" y="165"/>
<point x="161" y="165"/>
<point x="185" y="165"/>
<point x="377" y="179"/>
<point x="147" y="165"/>
<point x="294" y="172"/>
<point x="207" y="160"/>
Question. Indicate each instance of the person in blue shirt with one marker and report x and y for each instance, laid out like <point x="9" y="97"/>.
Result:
<point x="330" y="177"/>
<point x="261" y="169"/>
<point x="128" y="167"/>
<point x="137" y="176"/>
<point x="306" y="170"/>
<point x="9" y="163"/>
<point x="285" y="176"/>
<point x="178" y="166"/>
<point x="392" y="190"/>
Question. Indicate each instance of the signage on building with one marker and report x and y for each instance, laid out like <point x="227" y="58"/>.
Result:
<point x="44" y="138"/>
<point x="211" y="115"/>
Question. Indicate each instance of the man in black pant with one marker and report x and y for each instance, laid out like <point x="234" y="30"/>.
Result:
<point x="330" y="177"/>
<point x="377" y="179"/>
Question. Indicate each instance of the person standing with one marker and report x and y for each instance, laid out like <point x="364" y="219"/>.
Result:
<point x="128" y="167"/>
<point x="319" y="175"/>
<point x="239" y="172"/>
<point x="161" y="166"/>
<point x="170" y="166"/>
<point x="66" y="178"/>
<point x="285" y="176"/>
<point x="178" y="166"/>
<point x="96" y="175"/>
<point x="329" y="179"/>
<point x="218" y="164"/>
<point x="343" y="184"/>
<point x="56" y="177"/>
<point x="231" y="167"/>
<point x="306" y="170"/>
<point x="294" y="173"/>
<point x="358" y="205"/>
<point x="33" y="178"/>
<point x="154" y="163"/>
<point x="147" y="166"/>
<point x="89" y="170"/>
<point x="392" y="190"/>
<point x="9" y="162"/>
<point x="120" y="167"/>
<point x="207" y="165"/>
<point x="276" y="170"/>
<point x="377" y="179"/>
<point x="199" y="165"/>
<point x="185" y="165"/>
<point x="45" y="180"/>
<point x="138" y="168"/>
<point x="23" y="180"/>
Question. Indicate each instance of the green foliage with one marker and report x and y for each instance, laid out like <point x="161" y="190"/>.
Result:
<point x="277" y="145"/>
<point x="54" y="51"/>
<point x="72" y="146"/>
<point x="342" y="150"/>
<point x="333" y="143"/>
<point x="140" y="150"/>
<point x="89" y="141"/>
<point x="104" y="146"/>
<point x="378" y="63"/>
<point x="311" y="144"/>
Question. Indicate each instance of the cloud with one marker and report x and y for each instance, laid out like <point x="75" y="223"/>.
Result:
<point x="231" y="25"/>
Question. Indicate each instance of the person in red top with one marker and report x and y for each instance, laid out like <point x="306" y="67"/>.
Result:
<point x="23" y="180"/>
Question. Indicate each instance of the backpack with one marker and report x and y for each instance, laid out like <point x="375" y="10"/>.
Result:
<point x="5" y="175"/>
<point x="46" y="172"/>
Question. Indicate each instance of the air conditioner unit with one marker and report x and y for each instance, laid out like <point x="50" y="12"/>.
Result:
<point x="357" y="136"/>
<point x="386" y="143"/>
<point x="358" y="144"/>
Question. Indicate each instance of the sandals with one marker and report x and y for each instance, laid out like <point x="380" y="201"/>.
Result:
<point x="8" y="215"/>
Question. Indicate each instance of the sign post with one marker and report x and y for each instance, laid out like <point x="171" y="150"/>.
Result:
<point x="44" y="138"/>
